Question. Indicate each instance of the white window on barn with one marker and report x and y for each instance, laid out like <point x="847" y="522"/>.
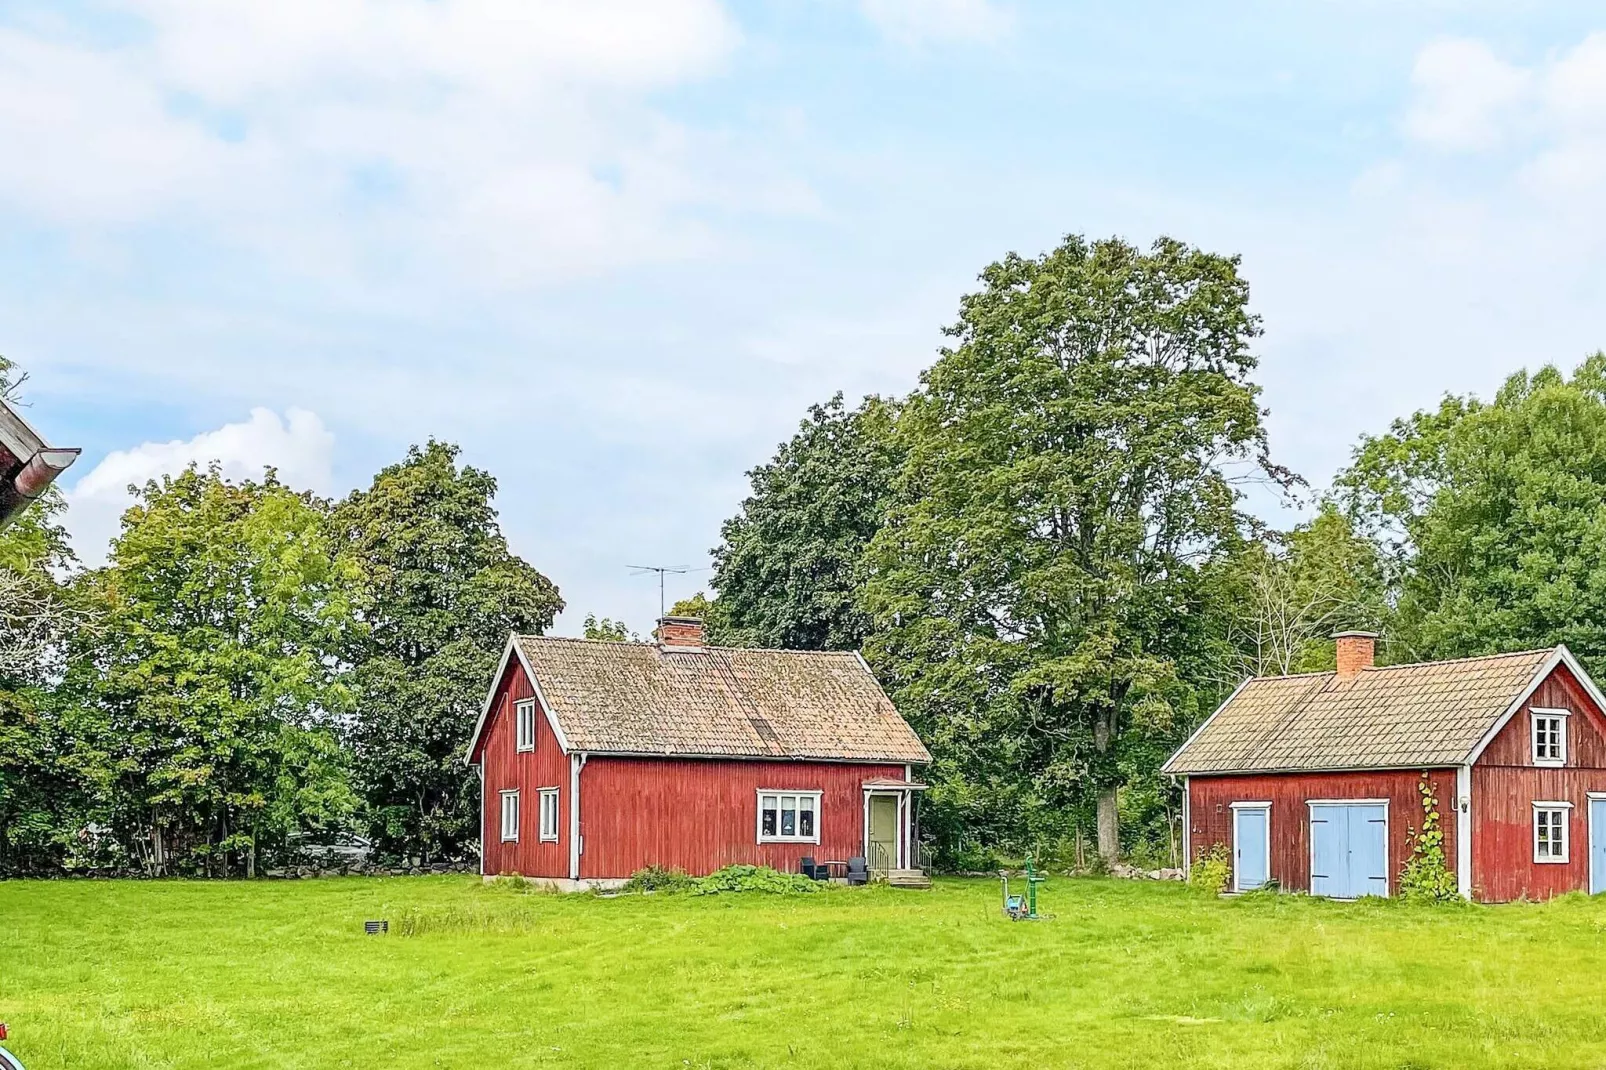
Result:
<point x="524" y="715"/>
<point x="510" y="817"/>
<point x="549" y="815"/>
<point x="1551" y="836"/>
<point x="788" y="816"/>
<point x="1549" y="736"/>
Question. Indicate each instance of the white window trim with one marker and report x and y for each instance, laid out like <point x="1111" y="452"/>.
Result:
<point x="1566" y="832"/>
<point x="1535" y="713"/>
<point x="517" y="814"/>
<point x="557" y="817"/>
<point x="1237" y="877"/>
<point x="524" y="713"/>
<point x="758" y="816"/>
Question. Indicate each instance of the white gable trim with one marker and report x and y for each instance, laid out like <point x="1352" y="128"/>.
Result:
<point x="508" y="653"/>
<point x="1560" y="656"/>
<point x="1166" y="768"/>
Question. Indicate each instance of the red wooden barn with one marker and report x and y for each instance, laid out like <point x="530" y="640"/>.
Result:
<point x="597" y="759"/>
<point x="1313" y="781"/>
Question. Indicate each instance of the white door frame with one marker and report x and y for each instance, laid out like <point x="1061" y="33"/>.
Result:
<point x="900" y="834"/>
<point x="1237" y="874"/>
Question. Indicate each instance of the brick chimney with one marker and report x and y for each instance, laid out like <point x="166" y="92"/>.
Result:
<point x="681" y="632"/>
<point x="1355" y="650"/>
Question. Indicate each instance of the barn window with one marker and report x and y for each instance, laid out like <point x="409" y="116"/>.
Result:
<point x="1550" y="831"/>
<point x="788" y="817"/>
<point x="549" y="815"/>
<point x="524" y="714"/>
<point x="1550" y="737"/>
<point x="510" y="817"/>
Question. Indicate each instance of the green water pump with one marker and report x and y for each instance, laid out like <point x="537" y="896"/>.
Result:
<point x="1018" y="907"/>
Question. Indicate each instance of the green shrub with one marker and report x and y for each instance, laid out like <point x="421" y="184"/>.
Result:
<point x="1211" y="869"/>
<point x="754" y="879"/>
<point x="660" y="879"/>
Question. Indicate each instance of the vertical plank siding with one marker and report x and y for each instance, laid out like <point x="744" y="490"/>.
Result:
<point x="528" y="772"/>
<point x="701" y="814"/>
<point x="1210" y="800"/>
<point x="1506" y="784"/>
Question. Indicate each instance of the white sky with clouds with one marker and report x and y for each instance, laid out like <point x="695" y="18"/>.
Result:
<point x="615" y="248"/>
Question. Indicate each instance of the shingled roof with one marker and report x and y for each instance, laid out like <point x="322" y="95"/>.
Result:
<point x="1436" y="713"/>
<point x="640" y="698"/>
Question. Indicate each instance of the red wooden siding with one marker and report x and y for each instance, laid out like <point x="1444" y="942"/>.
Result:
<point x="528" y="772"/>
<point x="1506" y="784"/>
<point x="1210" y="802"/>
<point x="701" y="814"/>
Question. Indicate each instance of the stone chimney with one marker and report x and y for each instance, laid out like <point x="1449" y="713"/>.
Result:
<point x="1355" y="650"/>
<point x="681" y="633"/>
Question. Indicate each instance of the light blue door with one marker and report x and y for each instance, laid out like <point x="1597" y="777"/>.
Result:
<point x="1251" y="847"/>
<point x="1597" y="846"/>
<point x="1349" y="849"/>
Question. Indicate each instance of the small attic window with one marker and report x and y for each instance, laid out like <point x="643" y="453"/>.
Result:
<point x="1549" y="736"/>
<point x="524" y="715"/>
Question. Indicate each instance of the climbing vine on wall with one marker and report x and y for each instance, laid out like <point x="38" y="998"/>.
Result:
<point x="1427" y="874"/>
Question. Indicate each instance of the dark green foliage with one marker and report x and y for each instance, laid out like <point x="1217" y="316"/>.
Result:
<point x="1495" y="515"/>
<point x="442" y="594"/>
<point x="790" y="565"/>
<point x="660" y="879"/>
<point x="735" y="878"/>
<point x="1041" y="588"/>
<point x="612" y="631"/>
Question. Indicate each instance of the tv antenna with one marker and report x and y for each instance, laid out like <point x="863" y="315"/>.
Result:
<point x="662" y="570"/>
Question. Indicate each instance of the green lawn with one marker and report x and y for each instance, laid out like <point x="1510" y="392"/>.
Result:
<point x="280" y="975"/>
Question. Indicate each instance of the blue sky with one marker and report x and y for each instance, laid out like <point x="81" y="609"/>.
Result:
<point x="615" y="248"/>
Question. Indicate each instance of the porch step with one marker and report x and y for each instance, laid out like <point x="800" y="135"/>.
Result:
<point x="908" y="878"/>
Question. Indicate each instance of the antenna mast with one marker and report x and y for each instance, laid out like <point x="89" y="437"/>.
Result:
<point x="662" y="570"/>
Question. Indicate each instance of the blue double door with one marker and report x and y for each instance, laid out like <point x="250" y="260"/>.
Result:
<point x="1349" y="849"/>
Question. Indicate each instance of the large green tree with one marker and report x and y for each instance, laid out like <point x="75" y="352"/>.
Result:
<point x="443" y="593"/>
<point x="1070" y="467"/>
<point x="1495" y="513"/>
<point x="208" y="687"/>
<point x="789" y="566"/>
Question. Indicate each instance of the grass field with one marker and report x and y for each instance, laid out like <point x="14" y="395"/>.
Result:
<point x="280" y="975"/>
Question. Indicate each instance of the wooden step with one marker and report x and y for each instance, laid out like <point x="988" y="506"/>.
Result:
<point x="908" y="878"/>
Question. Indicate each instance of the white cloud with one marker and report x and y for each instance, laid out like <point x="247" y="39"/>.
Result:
<point x="1466" y="96"/>
<point x="513" y="140"/>
<point x="915" y="22"/>
<point x="298" y="445"/>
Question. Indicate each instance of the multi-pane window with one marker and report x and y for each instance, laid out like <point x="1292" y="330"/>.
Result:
<point x="510" y="816"/>
<point x="549" y="814"/>
<point x="524" y="715"/>
<point x="788" y="816"/>
<point x="1550" y="737"/>
<point x="1550" y="832"/>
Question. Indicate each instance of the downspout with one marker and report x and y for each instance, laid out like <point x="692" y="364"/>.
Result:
<point x="1463" y="831"/>
<point x="481" y="766"/>
<point x="1187" y="828"/>
<point x="577" y="762"/>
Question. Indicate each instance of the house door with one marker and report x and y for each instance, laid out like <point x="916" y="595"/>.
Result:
<point x="1349" y="849"/>
<point x="1251" y="847"/>
<point x="882" y="849"/>
<point x="1597" y="846"/>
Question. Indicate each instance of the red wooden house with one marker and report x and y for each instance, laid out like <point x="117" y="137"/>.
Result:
<point x="1313" y="781"/>
<point x="598" y="759"/>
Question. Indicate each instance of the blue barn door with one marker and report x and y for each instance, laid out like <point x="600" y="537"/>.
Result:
<point x="1597" y="846"/>
<point x="1349" y="849"/>
<point x="1251" y="847"/>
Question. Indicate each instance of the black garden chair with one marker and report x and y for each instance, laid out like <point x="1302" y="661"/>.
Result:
<point x="858" y="870"/>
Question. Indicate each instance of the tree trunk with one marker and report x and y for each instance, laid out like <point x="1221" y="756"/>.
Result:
<point x="1109" y="827"/>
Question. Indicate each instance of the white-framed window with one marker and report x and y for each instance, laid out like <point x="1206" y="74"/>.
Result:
<point x="1551" y="836"/>
<point x="549" y="815"/>
<point x="524" y="717"/>
<point x="1549" y="736"/>
<point x="510" y="817"/>
<point x="788" y="816"/>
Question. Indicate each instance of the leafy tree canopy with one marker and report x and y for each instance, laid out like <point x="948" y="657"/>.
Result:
<point x="1069" y="466"/>
<point x="789" y="566"/>
<point x="443" y="591"/>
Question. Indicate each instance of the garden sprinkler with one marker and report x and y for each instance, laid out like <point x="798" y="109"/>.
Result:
<point x="8" y="1061"/>
<point x="1023" y="907"/>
